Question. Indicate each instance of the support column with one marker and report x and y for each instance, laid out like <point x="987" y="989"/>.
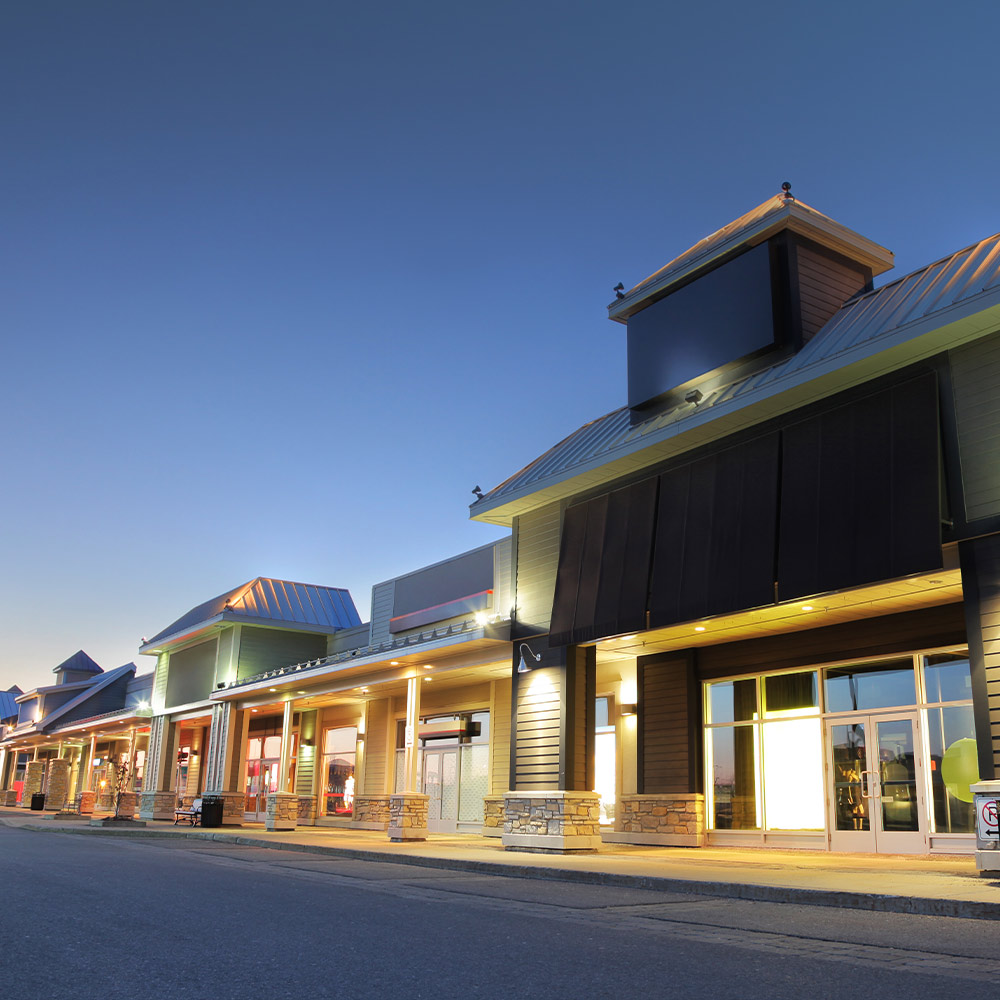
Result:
<point x="57" y="783"/>
<point x="551" y="807"/>
<point x="283" y="805"/>
<point x="307" y="768"/>
<point x="408" y="810"/>
<point x="34" y="775"/>
<point x="159" y="800"/>
<point x="85" y="800"/>
<point x="223" y="775"/>
<point x="128" y="805"/>
<point x="8" y="768"/>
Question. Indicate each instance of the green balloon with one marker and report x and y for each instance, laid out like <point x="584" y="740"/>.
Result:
<point x="960" y="768"/>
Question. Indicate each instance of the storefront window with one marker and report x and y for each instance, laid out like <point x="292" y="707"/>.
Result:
<point x="339" y="756"/>
<point x="870" y="686"/>
<point x="732" y="755"/>
<point x="604" y="759"/>
<point x="951" y="742"/>
<point x="733" y="701"/>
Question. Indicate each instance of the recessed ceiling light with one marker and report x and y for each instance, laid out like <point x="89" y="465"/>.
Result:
<point x="253" y="709"/>
<point x="935" y="581"/>
<point x="625" y="638"/>
<point x="427" y="680"/>
<point x="699" y="628"/>
<point x="808" y="607"/>
<point x="394" y="663"/>
<point x="428" y="666"/>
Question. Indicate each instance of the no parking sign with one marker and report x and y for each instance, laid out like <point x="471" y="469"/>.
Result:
<point x="987" y="817"/>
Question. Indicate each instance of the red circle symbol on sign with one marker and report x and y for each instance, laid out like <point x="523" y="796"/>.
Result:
<point x="989" y="812"/>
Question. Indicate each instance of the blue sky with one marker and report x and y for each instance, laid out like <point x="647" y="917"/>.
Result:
<point x="282" y="283"/>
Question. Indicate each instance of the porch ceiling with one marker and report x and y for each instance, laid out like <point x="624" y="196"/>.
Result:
<point x="909" y="594"/>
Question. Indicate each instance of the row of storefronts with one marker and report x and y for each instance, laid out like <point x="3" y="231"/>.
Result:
<point x="755" y="606"/>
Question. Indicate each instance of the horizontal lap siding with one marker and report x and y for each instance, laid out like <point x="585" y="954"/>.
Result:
<point x="824" y="286"/>
<point x="538" y="720"/>
<point x="668" y="723"/>
<point x="975" y="374"/>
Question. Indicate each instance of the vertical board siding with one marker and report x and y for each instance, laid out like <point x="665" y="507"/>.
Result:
<point x="191" y="673"/>
<point x="383" y="596"/>
<point x="266" y="648"/>
<point x="824" y="286"/>
<point x="975" y="374"/>
<point x="537" y="561"/>
<point x="980" y="561"/>
<point x="375" y="748"/>
<point x="715" y="534"/>
<point x="668" y="726"/>
<point x="538" y="718"/>
<point x="500" y="737"/>
<point x="860" y="492"/>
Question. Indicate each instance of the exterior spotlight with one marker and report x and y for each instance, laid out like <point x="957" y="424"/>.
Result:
<point x="522" y="667"/>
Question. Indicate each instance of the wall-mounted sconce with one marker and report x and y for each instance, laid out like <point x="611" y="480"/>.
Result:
<point x="628" y="708"/>
<point x="522" y="667"/>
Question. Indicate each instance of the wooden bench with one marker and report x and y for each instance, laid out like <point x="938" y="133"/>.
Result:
<point x="192" y="815"/>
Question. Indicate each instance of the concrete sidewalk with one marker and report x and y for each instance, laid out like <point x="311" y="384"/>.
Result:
<point x="941" y="885"/>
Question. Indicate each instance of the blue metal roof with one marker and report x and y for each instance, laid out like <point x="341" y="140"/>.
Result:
<point x="8" y="707"/>
<point x="79" y="662"/>
<point x="947" y="291"/>
<point x="269" y="600"/>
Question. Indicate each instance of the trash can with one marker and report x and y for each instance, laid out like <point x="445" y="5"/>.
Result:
<point x="211" y="810"/>
<point x="37" y="801"/>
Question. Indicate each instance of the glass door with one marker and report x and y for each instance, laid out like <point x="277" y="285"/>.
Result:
<point x="441" y="786"/>
<point x="876" y="777"/>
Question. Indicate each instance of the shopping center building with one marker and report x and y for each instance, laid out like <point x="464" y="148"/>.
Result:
<point x="276" y="699"/>
<point x="774" y="574"/>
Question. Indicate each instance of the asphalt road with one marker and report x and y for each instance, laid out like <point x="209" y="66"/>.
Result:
<point x="87" y="917"/>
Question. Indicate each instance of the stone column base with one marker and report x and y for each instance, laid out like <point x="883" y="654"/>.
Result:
<point x="493" y="816"/>
<point x="128" y="804"/>
<point x="282" y="811"/>
<point x="233" y="805"/>
<point x="85" y="803"/>
<point x="408" y="816"/>
<point x="57" y="783"/>
<point x="8" y="797"/>
<point x="670" y="820"/>
<point x="307" y="811"/>
<point x="371" y="812"/>
<point x="552" y="822"/>
<point x="158" y="805"/>
<point x="32" y="781"/>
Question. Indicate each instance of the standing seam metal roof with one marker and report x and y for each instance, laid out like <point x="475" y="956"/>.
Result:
<point x="861" y="322"/>
<point x="267" y="599"/>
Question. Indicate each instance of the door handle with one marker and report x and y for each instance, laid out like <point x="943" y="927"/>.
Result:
<point x="865" y="791"/>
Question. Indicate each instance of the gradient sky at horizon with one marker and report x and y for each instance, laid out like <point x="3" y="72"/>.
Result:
<point x="282" y="283"/>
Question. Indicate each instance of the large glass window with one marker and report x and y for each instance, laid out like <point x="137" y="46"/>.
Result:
<point x="340" y="750"/>
<point x="870" y="686"/>
<point x="951" y="742"/>
<point x="766" y="773"/>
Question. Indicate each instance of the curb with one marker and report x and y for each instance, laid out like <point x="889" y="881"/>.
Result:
<point x="845" y="899"/>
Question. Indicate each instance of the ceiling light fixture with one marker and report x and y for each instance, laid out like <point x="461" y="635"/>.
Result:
<point x="699" y="628"/>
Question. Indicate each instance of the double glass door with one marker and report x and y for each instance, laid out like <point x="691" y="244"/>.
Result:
<point x="262" y="778"/>
<point x="876" y="768"/>
<point x="440" y="773"/>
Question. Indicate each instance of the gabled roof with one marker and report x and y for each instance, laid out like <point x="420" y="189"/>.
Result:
<point x="266" y="600"/>
<point x="940" y="306"/>
<point x="107" y="678"/>
<point x="79" y="662"/>
<point x="780" y="212"/>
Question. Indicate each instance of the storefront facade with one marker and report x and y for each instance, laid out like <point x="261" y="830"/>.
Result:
<point x="780" y="561"/>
